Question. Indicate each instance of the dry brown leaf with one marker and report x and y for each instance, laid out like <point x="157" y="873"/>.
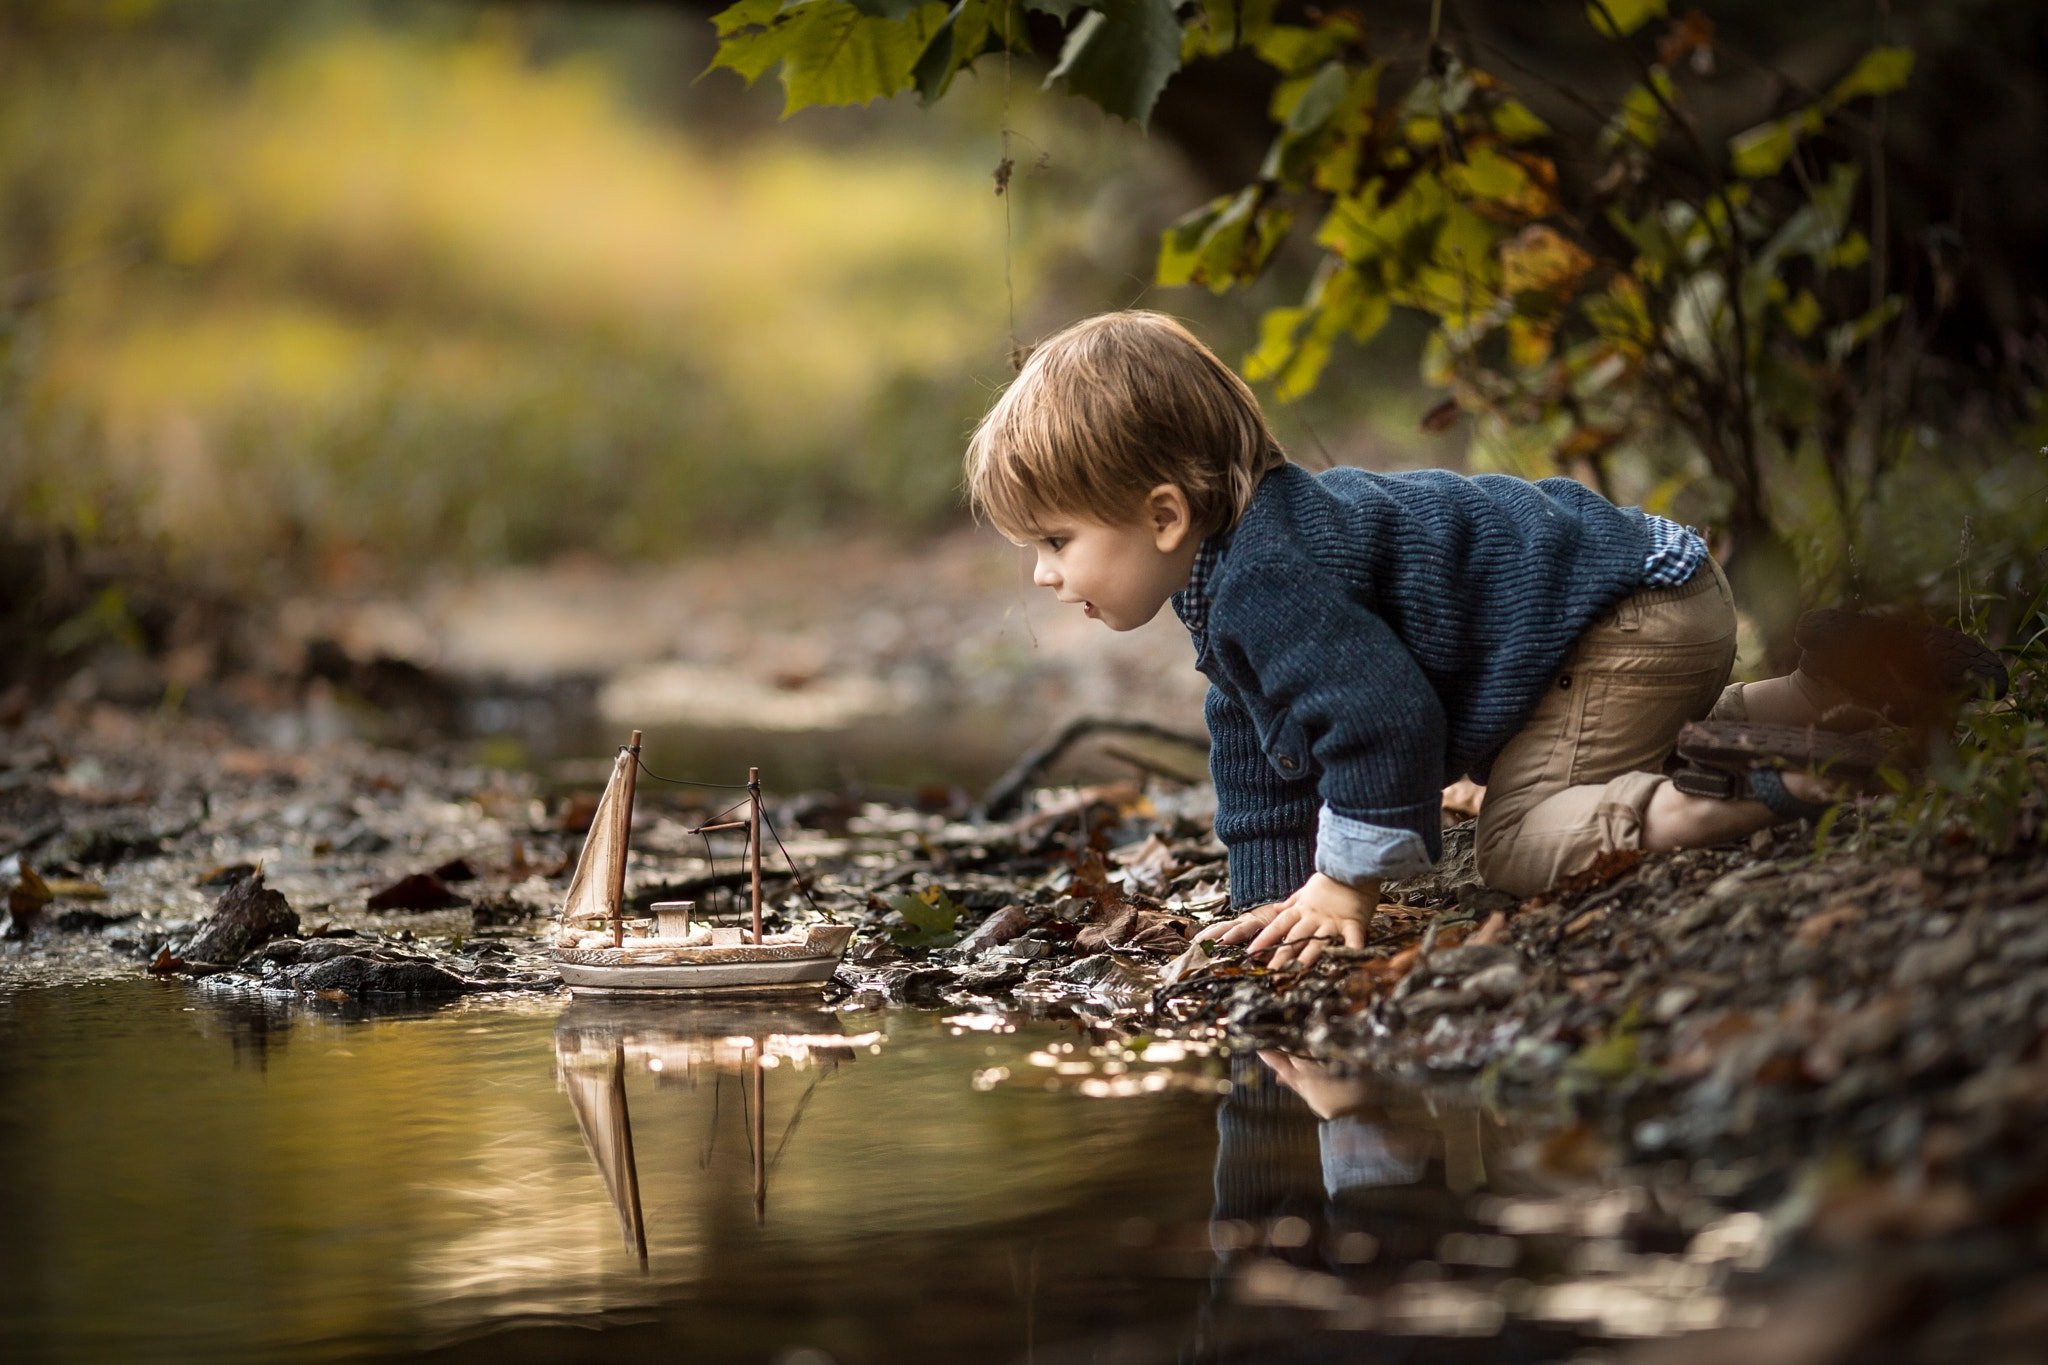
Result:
<point x="1494" y="931"/>
<point x="1816" y="927"/>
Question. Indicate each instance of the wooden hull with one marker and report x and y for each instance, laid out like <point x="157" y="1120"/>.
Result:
<point x="650" y="968"/>
<point x="781" y="977"/>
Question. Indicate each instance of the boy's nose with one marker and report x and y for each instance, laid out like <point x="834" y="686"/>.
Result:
<point x="1043" y="576"/>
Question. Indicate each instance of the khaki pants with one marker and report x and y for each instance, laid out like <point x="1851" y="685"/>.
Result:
<point x="1575" y="780"/>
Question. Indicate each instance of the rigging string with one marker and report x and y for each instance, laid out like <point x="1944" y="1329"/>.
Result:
<point x="794" y="875"/>
<point x="683" y="781"/>
<point x="711" y="864"/>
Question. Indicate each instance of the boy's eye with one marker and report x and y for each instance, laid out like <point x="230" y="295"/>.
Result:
<point x="1055" y="543"/>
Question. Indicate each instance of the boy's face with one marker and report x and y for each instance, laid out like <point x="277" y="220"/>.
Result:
<point x="1119" y="573"/>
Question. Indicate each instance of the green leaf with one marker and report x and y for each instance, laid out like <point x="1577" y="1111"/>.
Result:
<point x="1121" y="56"/>
<point x="1180" y="246"/>
<point x="1318" y="99"/>
<point x="1226" y="241"/>
<point x="744" y="14"/>
<point x="1640" y="118"/>
<point x="1764" y="149"/>
<point x="1619" y="18"/>
<point x="929" y="918"/>
<point x="1291" y="49"/>
<point x="829" y="52"/>
<point x="1803" y="313"/>
<point x="1225" y="25"/>
<point x="1880" y="71"/>
<point x="1845" y="339"/>
<point x="1513" y="121"/>
<point x="886" y="9"/>
<point x="1277" y="332"/>
<point x="973" y="28"/>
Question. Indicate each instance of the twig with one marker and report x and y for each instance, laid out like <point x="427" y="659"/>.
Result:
<point x="1003" y="798"/>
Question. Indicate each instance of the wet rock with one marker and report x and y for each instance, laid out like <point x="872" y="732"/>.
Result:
<point x="456" y="870"/>
<point x="91" y="921"/>
<point x="247" y="916"/>
<point x="116" y="843"/>
<point x="918" y="985"/>
<point x="495" y="911"/>
<point x="1110" y="979"/>
<point x="997" y="929"/>
<point x="378" y="973"/>
<point x="991" y="977"/>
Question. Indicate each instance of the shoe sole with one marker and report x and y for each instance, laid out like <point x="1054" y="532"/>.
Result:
<point x="1738" y="746"/>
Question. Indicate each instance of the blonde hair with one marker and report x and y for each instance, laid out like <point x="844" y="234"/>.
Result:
<point x="1108" y="409"/>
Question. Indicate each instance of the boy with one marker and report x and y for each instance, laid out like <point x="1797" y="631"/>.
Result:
<point x="1369" y="638"/>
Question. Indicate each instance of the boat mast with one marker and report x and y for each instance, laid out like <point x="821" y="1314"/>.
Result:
<point x="753" y="841"/>
<point x="625" y="838"/>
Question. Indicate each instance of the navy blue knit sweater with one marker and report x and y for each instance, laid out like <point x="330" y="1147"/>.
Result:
<point x="1370" y="637"/>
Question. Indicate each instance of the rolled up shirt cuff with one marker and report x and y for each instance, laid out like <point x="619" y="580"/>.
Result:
<point x="1351" y="851"/>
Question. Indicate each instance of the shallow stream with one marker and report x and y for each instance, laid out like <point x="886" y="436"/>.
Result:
<point x="190" y="1174"/>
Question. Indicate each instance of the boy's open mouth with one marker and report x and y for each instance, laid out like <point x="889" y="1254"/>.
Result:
<point x="1089" y="609"/>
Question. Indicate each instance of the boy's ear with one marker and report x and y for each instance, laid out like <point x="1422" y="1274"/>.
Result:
<point x="1168" y="516"/>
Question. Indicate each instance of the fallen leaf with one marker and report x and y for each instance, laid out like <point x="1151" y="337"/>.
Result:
<point x="29" y="893"/>
<point x="420" y="891"/>
<point x="1581" y="923"/>
<point x="1816" y="927"/>
<point x="1494" y="931"/>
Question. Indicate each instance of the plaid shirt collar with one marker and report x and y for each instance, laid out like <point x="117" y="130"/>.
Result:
<point x="1191" y="603"/>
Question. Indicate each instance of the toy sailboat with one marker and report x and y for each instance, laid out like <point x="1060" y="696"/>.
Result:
<point x="672" y="956"/>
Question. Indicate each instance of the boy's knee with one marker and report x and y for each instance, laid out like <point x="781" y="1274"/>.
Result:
<point x="1517" y="877"/>
<point x="1504" y="867"/>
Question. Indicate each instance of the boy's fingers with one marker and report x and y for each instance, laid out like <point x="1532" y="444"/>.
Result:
<point x="1276" y="930"/>
<point x="1239" y="929"/>
<point x="1354" y="934"/>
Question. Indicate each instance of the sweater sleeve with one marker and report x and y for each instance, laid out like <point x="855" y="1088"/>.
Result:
<point x="1348" y="695"/>
<point x="1267" y="822"/>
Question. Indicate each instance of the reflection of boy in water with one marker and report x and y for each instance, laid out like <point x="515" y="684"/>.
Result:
<point x="1330" y="1174"/>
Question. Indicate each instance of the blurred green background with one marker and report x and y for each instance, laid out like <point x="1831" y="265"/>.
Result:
<point x="334" y="289"/>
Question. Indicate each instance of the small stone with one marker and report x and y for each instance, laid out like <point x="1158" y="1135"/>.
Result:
<point x="1423" y="1004"/>
<point x="1469" y="958"/>
<point x="1672" y="1002"/>
<point x="1497" y="984"/>
<point x="1938" y="961"/>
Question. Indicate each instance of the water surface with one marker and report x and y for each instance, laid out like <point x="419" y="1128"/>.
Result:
<point x="190" y="1175"/>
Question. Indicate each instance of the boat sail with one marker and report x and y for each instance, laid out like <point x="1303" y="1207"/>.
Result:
<point x="671" y="955"/>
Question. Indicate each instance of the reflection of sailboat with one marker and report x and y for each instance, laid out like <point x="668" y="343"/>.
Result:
<point x="596" y="955"/>
<point x="598" y="1043"/>
<point x="598" y="1095"/>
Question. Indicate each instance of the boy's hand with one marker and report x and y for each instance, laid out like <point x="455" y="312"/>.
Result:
<point x="1323" y="911"/>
